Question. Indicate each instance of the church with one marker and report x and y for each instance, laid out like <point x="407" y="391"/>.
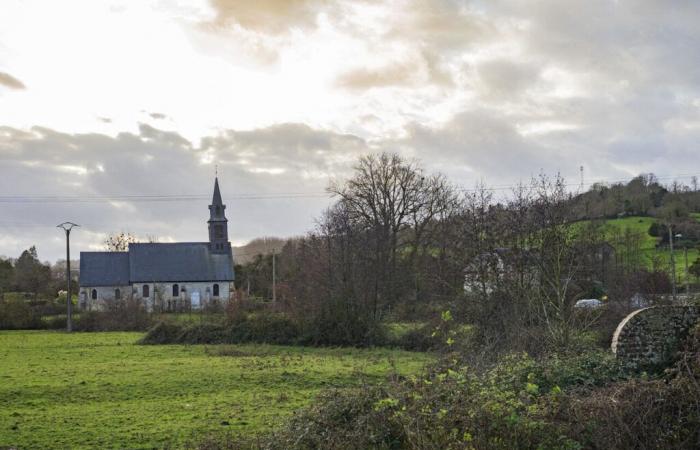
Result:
<point x="164" y="277"/>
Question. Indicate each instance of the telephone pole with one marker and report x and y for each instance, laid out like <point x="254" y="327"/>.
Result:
<point x="687" y="277"/>
<point x="274" y="278"/>
<point x="67" y="226"/>
<point x="673" y="263"/>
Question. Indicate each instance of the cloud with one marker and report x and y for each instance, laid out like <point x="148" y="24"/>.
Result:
<point x="11" y="82"/>
<point x="506" y="79"/>
<point x="297" y="148"/>
<point x="268" y="162"/>
<point x="267" y="16"/>
<point x="389" y="75"/>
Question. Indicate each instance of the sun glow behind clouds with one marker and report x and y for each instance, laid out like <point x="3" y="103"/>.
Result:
<point x="98" y="70"/>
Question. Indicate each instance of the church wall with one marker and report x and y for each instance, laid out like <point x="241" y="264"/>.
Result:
<point x="106" y="295"/>
<point x="161" y="299"/>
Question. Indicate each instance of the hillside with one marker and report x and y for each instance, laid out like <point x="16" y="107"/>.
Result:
<point x="648" y="244"/>
<point x="259" y="246"/>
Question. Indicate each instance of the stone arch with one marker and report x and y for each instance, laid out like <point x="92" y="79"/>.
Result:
<point x="651" y="336"/>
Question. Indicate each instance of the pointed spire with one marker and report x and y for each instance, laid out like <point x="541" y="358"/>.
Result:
<point x="216" y="200"/>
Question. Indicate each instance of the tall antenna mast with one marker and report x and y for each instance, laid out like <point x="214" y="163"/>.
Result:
<point x="582" y="183"/>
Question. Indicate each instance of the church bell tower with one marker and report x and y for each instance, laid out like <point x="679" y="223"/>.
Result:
<point x="218" y="224"/>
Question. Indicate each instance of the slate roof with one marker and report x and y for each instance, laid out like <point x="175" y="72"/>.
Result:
<point x="186" y="261"/>
<point x="104" y="268"/>
<point x="149" y="263"/>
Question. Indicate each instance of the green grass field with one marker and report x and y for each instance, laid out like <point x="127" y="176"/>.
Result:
<point x="100" y="390"/>
<point x="648" y="244"/>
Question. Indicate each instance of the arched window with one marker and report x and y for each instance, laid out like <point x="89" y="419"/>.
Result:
<point x="93" y="294"/>
<point x="117" y="294"/>
<point x="176" y="290"/>
<point x="146" y="291"/>
<point x="216" y="290"/>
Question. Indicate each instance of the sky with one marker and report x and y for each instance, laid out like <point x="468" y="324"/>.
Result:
<point x="117" y="115"/>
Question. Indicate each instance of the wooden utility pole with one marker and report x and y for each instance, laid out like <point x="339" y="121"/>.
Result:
<point x="687" y="277"/>
<point x="274" y="279"/>
<point x="67" y="226"/>
<point x="673" y="263"/>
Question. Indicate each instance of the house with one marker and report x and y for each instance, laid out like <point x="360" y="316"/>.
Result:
<point x="491" y="268"/>
<point x="523" y="267"/>
<point x="163" y="276"/>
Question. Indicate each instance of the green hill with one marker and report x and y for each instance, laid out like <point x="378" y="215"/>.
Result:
<point x="648" y="244"/>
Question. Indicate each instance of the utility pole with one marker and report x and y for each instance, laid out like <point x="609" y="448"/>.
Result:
<point x="67" y="226"/>
<point x="673" y="262"/>
<point x="687" y="277"/>
<point x="274" y="279"/>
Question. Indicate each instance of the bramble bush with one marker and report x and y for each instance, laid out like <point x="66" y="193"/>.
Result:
<point x="555" y="402"/>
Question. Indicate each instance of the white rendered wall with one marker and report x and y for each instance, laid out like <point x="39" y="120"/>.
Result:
<point x="160" y="294"/>
<point x="105" y="296"/>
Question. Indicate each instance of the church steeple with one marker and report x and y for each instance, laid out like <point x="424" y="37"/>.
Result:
<point x="218" y="224"/>
<point x="216" y="200"/>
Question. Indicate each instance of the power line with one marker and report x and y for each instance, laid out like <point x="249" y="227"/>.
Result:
<point x="151" y="198"/>
<point x="271" y="196"/>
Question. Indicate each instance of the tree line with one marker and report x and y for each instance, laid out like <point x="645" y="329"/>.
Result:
<point x="403" y="244"/>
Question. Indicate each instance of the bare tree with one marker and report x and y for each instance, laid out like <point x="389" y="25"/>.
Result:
<point x="119" y="242"/>
<point x="392" y="203"/>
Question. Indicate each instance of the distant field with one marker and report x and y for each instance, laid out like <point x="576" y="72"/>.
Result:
<point x="649" y="250"/>
<point x="100" y="390"/>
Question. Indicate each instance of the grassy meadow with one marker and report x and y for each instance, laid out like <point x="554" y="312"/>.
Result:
<point x="648" y="247"/>
<point x="101" y="390"/>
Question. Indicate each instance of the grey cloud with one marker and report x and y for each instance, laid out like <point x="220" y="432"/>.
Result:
<point x="11" y="82"/>
<point x="435" y="32"/>
<point x="506" y="78"/>
<point x="477" y="145"/>
<point x="41" y="162"/>
<point x="291" y="146"/>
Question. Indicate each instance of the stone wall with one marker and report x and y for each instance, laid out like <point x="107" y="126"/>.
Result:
<point x="651" y="336"/>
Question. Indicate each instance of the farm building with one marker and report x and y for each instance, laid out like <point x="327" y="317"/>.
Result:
<point x="164" y="277"/>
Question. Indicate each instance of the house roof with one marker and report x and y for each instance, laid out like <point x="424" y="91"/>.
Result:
<point x="186" y="261"/>
<point x="104" y="268"/>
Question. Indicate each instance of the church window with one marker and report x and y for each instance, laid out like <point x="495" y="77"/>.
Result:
<point x="218" y="232"/>
<point x="176" y="290"/>
<point x="145" y="291"/>
<point x="216" y="290"/>
<point x="93" y="294"/>
<point x="218" y="210"/>
<point x="117" y="294"/>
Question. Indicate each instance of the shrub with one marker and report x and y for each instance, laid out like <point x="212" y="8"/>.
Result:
<point x="654" y="414"/>
<point x="16" y="314"/>
<point x="126" y="316"/>
<point x="162" y="332"/>
<point x="268" y="328"/>
<point x="342" y="329"/>
<point x="262" y="328"/>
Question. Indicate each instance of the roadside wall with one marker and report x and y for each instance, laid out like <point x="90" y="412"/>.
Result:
<point x="651" y="336"/>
